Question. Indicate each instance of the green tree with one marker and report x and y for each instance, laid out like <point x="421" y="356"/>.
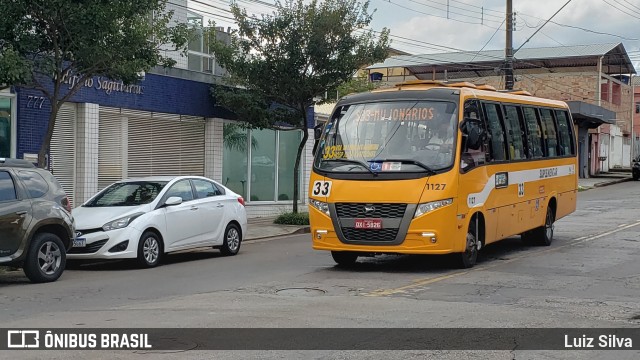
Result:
<point x="54" y="46"/>
<point x="279" y="63"/>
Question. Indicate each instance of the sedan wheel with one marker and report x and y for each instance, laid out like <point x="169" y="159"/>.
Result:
<point x="232" y="240"/>
<point x="149" y="249"/>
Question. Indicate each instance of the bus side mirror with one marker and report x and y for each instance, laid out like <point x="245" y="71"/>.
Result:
<point x="472" y="129"/>
<point x="317" y="134"/>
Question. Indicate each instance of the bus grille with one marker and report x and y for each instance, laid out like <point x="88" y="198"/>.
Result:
<point x="356" y="210"/>
<point x="382" y="235"/>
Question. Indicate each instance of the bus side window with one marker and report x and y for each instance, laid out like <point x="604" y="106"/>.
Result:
<point x="497" y="139"/>
<point x="534" y="132"/>
<point x="564" y="131"/>
<point x="549" y="131"/>
<point x="514" y="133"/>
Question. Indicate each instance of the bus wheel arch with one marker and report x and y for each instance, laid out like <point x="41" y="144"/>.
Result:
<point x="543" y="235"/>
<point x="474" y="241"/>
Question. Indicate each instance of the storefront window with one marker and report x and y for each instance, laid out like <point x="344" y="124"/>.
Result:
<point x="287" y="151"/>
<point x="5" y="127"/>
<point x="266" y="159"/>
<point x="263" y="165"/>
<point x="234" y="163"/>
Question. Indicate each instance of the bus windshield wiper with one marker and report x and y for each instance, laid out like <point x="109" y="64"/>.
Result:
<point x="409" y="161"/>
<point x="350" y="161"/>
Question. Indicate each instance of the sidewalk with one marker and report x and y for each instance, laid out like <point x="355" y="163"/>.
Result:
<point x="263" y="227"/>
<point x="604" y="179"/>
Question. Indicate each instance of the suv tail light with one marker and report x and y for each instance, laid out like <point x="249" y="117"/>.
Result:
<point x="241" y="200"/>
<point x="66" y="204"/>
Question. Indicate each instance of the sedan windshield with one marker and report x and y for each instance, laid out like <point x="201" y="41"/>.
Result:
<point x="401" y="136"/>
<point x="128" y="194"/>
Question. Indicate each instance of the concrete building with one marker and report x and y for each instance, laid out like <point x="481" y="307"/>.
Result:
<point x="593" y="79"/>
<point x="167" y="124"/>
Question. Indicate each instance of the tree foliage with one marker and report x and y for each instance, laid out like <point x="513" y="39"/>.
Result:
<point x="45" y="42"/>
<point x="279" y="63"/>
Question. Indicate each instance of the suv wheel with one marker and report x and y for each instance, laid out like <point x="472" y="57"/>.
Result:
<point x="45" y="259"/>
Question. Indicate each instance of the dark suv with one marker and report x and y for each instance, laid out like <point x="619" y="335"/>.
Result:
<point x="36" y="226"/>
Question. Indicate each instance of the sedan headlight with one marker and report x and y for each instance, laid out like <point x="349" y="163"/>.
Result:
<point x="322" y="206"/>
<point x="120" y="223"/>
<point x="430" y="206"/>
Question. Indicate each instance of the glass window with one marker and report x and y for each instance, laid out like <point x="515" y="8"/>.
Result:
<point x="205" y="188"/>
<point x="5" y="127"/>
<point x="496" y="134"/>
<point x="399" y="136"/>
<point x="534" y="133"/>
<point x="287" y="152"/>
<point x="128" y="194"/>
<point x="263" y="165"/>
<point x="7" y="188"/>
<point x="181" y="189"/>
<point x="514" y="133"/>
<point x="234" y="158"/>
<point x="35" y="183"/>
<point x="549" y="132"/>
<point x="564" y="132"/>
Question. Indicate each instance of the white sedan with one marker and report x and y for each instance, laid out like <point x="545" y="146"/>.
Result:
<point x="145" y="218"/>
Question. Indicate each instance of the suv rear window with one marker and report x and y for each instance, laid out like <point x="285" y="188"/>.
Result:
<point x="7" y="187"/>
<point x="36" y="184"/>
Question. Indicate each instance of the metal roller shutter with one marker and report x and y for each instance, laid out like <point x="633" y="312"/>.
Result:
<point x="110" y="147"/>
<point x="63" y="150"/>
<point x="165" y="145"/>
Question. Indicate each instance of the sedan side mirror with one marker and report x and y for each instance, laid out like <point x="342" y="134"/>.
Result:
<point x="173" y="201"/>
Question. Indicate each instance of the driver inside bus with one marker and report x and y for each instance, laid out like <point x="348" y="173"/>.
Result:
<point x="442" y="140"/>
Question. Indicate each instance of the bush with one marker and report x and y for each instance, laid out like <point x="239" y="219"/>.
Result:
<point x="292" y="219"/>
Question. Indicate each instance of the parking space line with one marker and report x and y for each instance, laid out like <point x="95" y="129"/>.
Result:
<point x="430" y="280"/>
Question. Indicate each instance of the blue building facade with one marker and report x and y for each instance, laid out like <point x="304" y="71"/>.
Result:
<point x="163" y="125"/>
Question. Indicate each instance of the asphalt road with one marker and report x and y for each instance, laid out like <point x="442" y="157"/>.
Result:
<point x="589" y="277"/>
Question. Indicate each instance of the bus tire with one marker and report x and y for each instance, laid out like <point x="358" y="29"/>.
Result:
<point x="542" y="235"/>
<point x="468" y="258"/>
<point x="344" y="258"/>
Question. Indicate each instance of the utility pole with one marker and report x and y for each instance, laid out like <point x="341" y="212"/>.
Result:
<point x="508" y="51"/>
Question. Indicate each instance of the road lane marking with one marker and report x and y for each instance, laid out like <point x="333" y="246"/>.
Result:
<point x="426" y="281"/>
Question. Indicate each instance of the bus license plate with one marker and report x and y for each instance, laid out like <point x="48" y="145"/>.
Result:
<point x="374" y="224"/>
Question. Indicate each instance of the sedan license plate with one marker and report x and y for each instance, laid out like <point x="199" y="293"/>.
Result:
<point x="373" y="224"/>
<point x="80" y="242"/>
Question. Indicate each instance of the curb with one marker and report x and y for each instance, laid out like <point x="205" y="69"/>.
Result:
<point x="612" y="182"/>
<point x="304" y="230"/>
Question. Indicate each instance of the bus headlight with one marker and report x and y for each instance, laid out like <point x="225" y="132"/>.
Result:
<point x="430" y="206"/>
<point x="322" y="206"/>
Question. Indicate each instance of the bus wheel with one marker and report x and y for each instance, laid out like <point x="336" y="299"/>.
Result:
<point x="542" y="235"/>
<point x="468" y="258"/>
<point x="344" y="258"/>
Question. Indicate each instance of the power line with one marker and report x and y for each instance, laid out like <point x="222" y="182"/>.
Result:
<point x="635" y="15"/>
<point x="428" y="14"/>
<point x="488" y="41"/>
<point x="453" y="12"/>
<point x="631" y="4"/>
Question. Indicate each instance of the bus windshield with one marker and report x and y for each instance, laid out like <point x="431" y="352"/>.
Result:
<point x="398" y="136"/>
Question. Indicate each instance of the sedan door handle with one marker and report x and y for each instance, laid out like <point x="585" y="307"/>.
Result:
<point x="194" y="208"/>
<point x="21" y="212"/>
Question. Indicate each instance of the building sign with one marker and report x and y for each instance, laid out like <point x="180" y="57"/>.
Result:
<point x="104" y="84"/>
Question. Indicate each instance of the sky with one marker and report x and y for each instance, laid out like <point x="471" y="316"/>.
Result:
<point x="425" y="26"/>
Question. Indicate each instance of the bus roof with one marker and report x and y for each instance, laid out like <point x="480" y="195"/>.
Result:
<point x="470" y="90"/>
